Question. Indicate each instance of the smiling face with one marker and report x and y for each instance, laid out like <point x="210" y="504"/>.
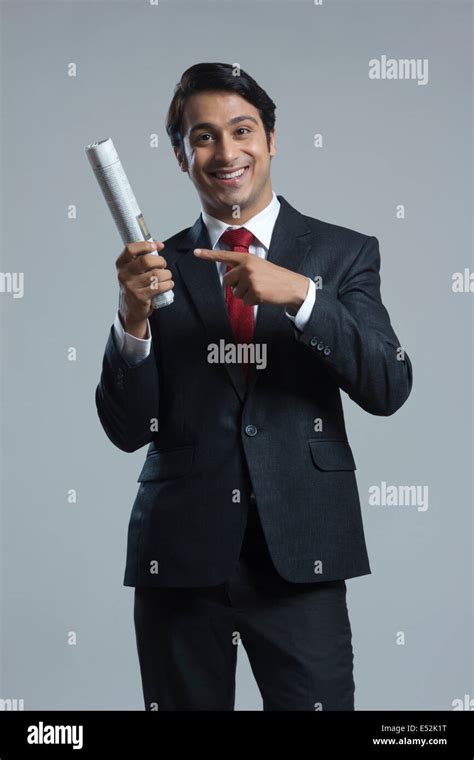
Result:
<point x="223" y="134"/>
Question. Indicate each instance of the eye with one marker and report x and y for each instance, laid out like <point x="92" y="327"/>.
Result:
<point x="206" y="134"/>
<point x="246" y="128"/>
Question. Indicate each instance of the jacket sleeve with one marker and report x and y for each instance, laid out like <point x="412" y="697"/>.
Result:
<point x="352" y="336"/>
<point x="127" y="398"/>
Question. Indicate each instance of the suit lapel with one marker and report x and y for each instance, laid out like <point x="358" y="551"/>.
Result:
<point x="290" y="245"/>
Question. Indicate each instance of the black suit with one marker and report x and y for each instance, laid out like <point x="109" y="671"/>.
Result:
<point x="219" y="438"/>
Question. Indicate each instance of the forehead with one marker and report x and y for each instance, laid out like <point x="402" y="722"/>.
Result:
<point x="216" y="107"/>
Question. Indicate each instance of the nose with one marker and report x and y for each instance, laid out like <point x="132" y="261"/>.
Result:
<point x="226" y="151"/>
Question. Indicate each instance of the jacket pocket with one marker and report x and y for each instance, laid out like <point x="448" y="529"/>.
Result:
<point x="168" y="463"/>
<point x="332" y="454"/>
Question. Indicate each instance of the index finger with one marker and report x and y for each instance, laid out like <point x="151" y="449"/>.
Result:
<point x="230" y="257"/>
<point x="138" y="248"/>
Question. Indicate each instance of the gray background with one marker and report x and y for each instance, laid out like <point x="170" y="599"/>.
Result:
<point x="385" y="143"/>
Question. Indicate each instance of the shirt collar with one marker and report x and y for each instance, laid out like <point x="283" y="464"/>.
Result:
<point x="261" y="225"/>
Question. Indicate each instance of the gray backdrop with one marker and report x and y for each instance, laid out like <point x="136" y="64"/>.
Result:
<point x="385" y="143"/>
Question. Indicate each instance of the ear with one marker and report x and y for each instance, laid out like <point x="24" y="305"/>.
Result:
<point x="181" y="159"/>
<point x="272" y="143"/>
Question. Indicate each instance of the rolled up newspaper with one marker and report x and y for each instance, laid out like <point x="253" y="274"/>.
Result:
<point x="121" y="201"/>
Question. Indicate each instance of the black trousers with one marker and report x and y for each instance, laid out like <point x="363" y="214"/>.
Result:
<point x="297" y="637"/>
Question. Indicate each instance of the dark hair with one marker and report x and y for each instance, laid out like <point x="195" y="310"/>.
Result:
<point x="217" y="76"/>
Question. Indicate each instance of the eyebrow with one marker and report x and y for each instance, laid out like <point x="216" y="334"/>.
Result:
<point x="210" y="125"/>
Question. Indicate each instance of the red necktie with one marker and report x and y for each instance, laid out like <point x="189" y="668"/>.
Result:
<point x="240" y="315"/>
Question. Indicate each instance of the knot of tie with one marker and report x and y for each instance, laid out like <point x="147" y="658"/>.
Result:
<point x="238" y="240"/>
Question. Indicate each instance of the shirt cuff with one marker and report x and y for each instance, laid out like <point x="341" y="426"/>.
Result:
<point x="134" y="350"/>
<point x="300" y="319"/>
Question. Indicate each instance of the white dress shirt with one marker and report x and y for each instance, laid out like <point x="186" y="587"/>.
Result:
<point x="135" y="350"/>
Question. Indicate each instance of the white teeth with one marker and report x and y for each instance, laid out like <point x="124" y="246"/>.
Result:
<point x="238" y="173"/>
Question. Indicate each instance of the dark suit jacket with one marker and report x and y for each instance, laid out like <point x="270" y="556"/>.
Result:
<point x="219" y="438"/>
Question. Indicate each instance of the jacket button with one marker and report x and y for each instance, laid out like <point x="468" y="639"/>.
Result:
<point x="313" y="341"/>
<point x="251" y="430"/>
<point x="327" y="351"/>
<point x="320" y="346"/>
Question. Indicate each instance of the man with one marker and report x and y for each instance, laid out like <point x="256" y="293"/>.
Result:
<point x="247" y="520"/>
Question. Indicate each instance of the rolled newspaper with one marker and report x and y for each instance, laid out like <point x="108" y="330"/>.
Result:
<point x="121" y="201"/>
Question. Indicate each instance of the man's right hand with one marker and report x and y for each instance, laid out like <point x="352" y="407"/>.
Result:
<point x="142" y="275"/>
